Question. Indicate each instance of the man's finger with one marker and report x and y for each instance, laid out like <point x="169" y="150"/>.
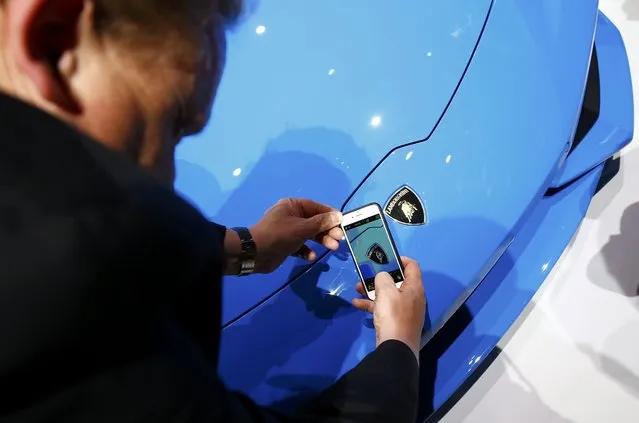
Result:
<point x="383" y="283"/>
<point x="331" y="238"/>
<point x="360" y="289"/>
<point x="329" y="242"/>
<point x="412" y="274"/>
<point x="311" y="208"/>
<point x="411" y="268"/>
<point x="364" y="305"/>
<point x="320" y="223"/>
<point x="305" y="252"/>
<point x="280" y="203"/>
<point x="336" y="233"/>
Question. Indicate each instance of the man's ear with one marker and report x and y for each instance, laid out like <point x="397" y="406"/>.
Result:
<point x="39" y="33"/>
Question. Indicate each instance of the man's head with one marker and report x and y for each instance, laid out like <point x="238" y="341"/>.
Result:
<point x="136" y="75"/>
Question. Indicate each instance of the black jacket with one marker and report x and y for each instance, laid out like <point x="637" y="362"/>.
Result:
<point x="109" y="297"/>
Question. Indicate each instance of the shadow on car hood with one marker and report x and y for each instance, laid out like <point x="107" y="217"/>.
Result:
<point x="313" y="97"/>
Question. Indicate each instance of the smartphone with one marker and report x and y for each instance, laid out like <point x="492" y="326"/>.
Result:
<point x="372" y="246"/>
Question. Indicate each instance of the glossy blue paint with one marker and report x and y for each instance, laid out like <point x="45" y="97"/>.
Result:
<point x="614" y="128"/>
<point x="458" y="349"/>
<point x="314" y="95"/>
<point x="488" y="160"/>
<point x="318" y="336"/>
<point x="481" y="175"/>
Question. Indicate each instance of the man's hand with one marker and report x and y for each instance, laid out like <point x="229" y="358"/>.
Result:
<point x="397" y="313"/>
<point x="285" y="228"/>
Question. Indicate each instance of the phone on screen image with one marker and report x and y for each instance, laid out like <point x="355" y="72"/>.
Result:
<point x="372" y="247"/>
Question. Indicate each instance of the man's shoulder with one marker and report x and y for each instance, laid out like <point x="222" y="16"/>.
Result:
<point x="44" y="167"/>
<point x="48" y="168"/>
<point x="51" y="176"/>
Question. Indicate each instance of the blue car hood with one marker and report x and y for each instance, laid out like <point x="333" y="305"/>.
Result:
<point x="314" y="95"/>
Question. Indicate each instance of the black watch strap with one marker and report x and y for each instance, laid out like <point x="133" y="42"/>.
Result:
<point x="248" y="253"/>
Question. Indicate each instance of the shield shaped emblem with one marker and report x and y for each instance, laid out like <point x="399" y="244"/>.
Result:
<point x="405" y="207"/>
<point x="377" y="254"/>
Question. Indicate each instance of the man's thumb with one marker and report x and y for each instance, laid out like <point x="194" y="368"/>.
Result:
<point x="321" y="223"/>
<point x="383" y="282"/>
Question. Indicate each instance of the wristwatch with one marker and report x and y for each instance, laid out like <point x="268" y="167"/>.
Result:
<point x="249" y="251"/>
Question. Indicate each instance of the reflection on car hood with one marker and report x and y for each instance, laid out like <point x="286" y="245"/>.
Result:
<point x="314" y="95"/>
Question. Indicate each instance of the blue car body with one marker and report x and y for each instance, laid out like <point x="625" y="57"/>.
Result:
<point x="498" y="114"/>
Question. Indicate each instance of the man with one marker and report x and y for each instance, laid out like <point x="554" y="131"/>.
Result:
<point x="109" y="283"/>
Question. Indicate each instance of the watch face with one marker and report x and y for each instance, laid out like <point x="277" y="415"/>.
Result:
<point x="248" y="245"/>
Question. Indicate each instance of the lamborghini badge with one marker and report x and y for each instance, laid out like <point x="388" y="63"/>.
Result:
<point x="405" y="207"/>
<point x="377" y="254"/>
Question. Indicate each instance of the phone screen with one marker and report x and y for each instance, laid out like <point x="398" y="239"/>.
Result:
<point x="372" y="249"/>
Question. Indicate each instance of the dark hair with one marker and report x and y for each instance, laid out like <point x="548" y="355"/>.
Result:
<point x="158" y="17"/>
